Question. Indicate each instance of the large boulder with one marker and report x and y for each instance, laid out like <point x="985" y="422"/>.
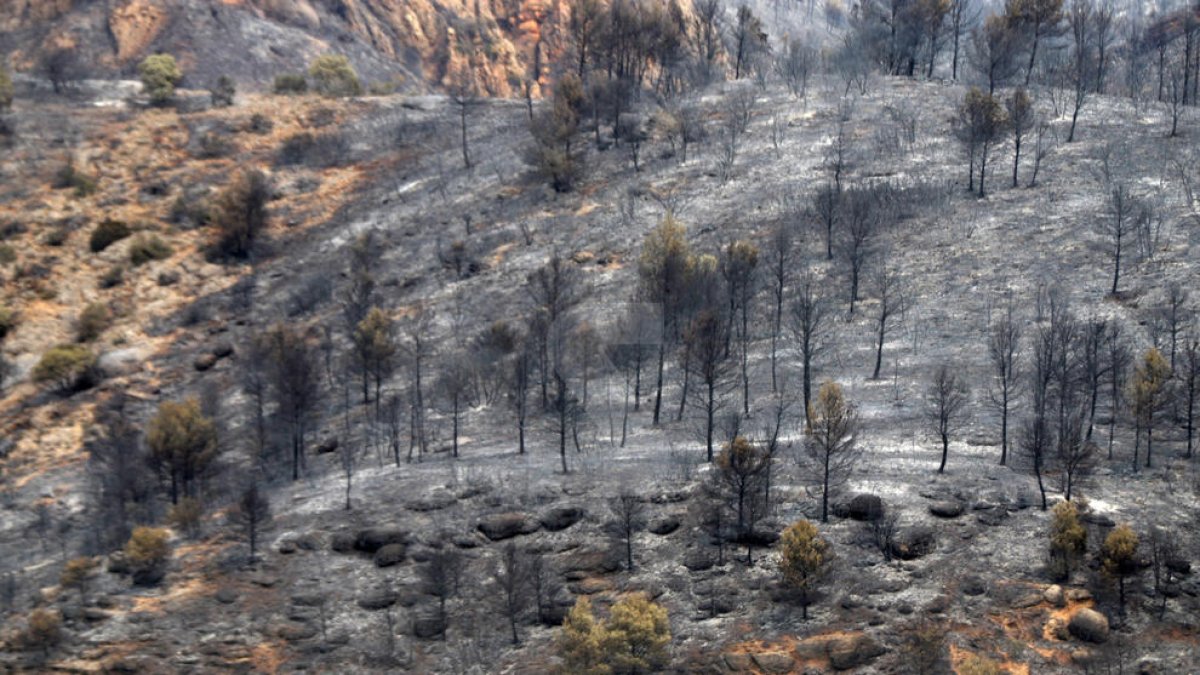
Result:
<point x="586" y="562"/>
<point x="774" y="662"/>
<point x="946" y="509"/>
<point x="500" y="526"/>
<point x="390" y="555"/>
<point x="664" y="525"/>
<point x="914" y="542"/>
<point x="1089" y="625"/>
<point x="372" y="539"/>
<point x="561" y="517"/>
<point x="852" y="652"/>
<point x="864" y="507"/>
<point x="377" y="598"/>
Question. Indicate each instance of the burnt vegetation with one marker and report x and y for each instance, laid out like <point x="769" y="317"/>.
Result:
<point x="705" y="332"/>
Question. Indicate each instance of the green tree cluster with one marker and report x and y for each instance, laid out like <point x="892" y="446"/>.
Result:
<point x="634" y="639"/>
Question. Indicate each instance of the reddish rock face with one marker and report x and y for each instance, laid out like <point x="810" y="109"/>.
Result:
<point x="420" y="42"/>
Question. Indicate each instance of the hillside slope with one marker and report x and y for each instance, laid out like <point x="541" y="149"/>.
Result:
<point x="315" y="598"/>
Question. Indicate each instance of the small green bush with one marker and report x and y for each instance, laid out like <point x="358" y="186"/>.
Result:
<point x="107" y="233"/>
<point x="185" y="516"/>
<point x="260" y="124"/>
<point x="57" y="236"/>
<point x="290" y="84"/>
<point x="159" y="74"/>
<point x="147" y="247"/>
<point x="147" y="553"/>
<point x="214" y="145"/>
<point x="333" y="76"/>
<point x="92" y="321"/>
<point x="190" y="208"/>
<point x="76" y="572"/>
<point x="66" y="368"/>
<point x="43" y="631"/>
<point x="6" y="89"/>
<point x="240" y="215"/>
<point x="9" y="320"/>
<point x="8" y="254"/>
<point x="115" y="276"/>
<point x="70" y="177"/>
<point x="223" y="92"/>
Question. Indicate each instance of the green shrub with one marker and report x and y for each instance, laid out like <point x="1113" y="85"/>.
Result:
<point x="146" y="554"/>
<point x="66" y="368"/>
<point x="107" y="233"/>
<point x="291" y="84"/>
<point x="241" y="215"/>
<point x="43" y="631"/>
<point x="92" y="321"/>
<point x="333" y="76"/>
<point x="223" y="92"/>
<point x="159" y="74"/>
<point x="6" y="89"/>
<point x="185" y="516"/>
<point x="70" y="177"/>
<point x="115" y="276"/>
<point x="213" y="145"/>
<point x="190" y="208"/>
<point x="147" y="247"/>
<point x="8" y="254"/>
<point x="9" y="319"/>
<point x="57" y="236"/>
<point x="260" y="124"/>
<point x="76" y="573"/>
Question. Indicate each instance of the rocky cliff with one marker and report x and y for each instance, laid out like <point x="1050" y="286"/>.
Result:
<point x="413" y="44"/>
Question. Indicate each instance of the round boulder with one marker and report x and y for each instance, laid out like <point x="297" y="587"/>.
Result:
<point x="372" y="539"/>
<point x="853" y="652"/>
<point x="914" y="542"/>
<point x="379" y="598"/>
<point x="1089" y="625"/>
<point x="865" y="507"/>
<point x="560" y="518"/>
<point x="500" y="526"/>
<point x="391" y="554"/>
<point x="664" y="525"/>
<point x="946" y="509"/>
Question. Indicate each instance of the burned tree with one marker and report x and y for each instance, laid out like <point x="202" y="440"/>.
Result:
<point x="1120" y="225"/>
<point x="811" y="323"/>
<point x="946" y="400"/>
<point x="739" y="260"/>
<point x="512" y="575"/>
<point x="294" y="384"/>
<point x="1004" y="342"/>
<point x="979" y="124"/>
<point x="741" y="477"/>
<point x="708" y="362"/>
<point x="893" y="300"/>
<point x="251" y="513"/>
<point x="830" y="450"/>
<point x="629" y="517"/>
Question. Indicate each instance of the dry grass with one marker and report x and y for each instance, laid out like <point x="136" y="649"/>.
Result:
<point x="125" y="151"/>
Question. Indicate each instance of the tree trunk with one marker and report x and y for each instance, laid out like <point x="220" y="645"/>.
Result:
<point x="879" y="347"/>
<point x="1016" y="157"/>
<point x="662" y="355"/>
<point x="709" y="422"/>
<point x="945" y="452"/>
<point x="1004" y="424"/>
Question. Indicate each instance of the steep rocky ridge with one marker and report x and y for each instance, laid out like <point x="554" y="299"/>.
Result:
<point x="413" y="44"/>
